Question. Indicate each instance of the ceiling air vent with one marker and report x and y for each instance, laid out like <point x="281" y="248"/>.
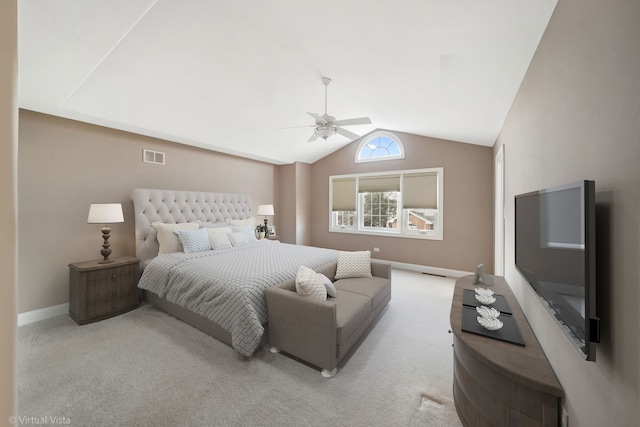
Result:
<point x="155" y="157"/>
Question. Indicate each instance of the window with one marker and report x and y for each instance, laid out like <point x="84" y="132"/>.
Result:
<point x="378" y="146"/>
<point x="402" y="204"/>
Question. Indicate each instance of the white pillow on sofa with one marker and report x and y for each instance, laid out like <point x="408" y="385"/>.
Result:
<point x="167" y="239"/>
<point x="310" y="284"/>
<point x="353" y="264"/>
<point x="331" y="289"/>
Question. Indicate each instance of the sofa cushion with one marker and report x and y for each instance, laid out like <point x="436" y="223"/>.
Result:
<point x="351" y="310"/>
<point x="376" y="288"/>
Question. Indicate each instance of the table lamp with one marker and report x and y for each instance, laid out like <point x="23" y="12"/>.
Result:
<point x="105" y="213"/>
<point x="265" y="210"/>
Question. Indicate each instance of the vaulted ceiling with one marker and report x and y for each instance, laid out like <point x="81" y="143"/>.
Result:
<point x="229" y="75"/>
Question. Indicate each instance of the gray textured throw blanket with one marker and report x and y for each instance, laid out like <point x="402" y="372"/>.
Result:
<point x="227" y="285"/>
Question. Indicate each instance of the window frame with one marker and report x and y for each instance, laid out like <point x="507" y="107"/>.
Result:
<point x="378" y="134"/>
<point x="403" y="229"/>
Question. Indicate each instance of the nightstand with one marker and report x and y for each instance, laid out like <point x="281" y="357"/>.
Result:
<point x="273" y="237"/>
<point x="99" y="291"/>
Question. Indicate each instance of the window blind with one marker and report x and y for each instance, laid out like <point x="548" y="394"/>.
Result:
<point x="344" y="194"/>
<point x="379" y="184"/>
<point x="420" y="191"/>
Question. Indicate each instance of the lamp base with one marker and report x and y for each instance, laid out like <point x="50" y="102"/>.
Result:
<point x="106" y="250"/>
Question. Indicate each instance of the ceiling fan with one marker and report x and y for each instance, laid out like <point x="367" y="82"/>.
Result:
<point x="326" y="126"/>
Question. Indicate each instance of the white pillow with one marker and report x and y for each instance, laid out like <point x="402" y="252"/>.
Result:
<point x="331" y="289"/>
<point x="239" y="222"/>
<point x="194" y="240"/>
<point x="167" y="239"/>
<point x="310" y="284"/>
<point x="353" y="264"/>
<point x="249" y="232"/>
<point x="219" y="230"/>
<point x="238" y="239"/>
<point x="214" y="224"/>
<point x="219" y="241"/>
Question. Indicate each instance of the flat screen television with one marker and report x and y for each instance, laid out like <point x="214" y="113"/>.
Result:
<point x="555" y="252"/>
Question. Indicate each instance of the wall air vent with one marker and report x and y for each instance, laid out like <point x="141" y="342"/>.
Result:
<point x="155" y="157"/>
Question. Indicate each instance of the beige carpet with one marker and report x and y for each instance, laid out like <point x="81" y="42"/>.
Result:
<point x="145" y="368"/>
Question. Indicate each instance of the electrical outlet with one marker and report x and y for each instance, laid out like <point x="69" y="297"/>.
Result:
<point x="376" y="249"/>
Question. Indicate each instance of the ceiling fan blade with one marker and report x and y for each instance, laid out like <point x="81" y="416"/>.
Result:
<point x="318" y="118"/>
<point x="347" y="134"/>
<point x="297" y="127"/>
<point x="313" y="137"/>
<point x="351" y="122"/>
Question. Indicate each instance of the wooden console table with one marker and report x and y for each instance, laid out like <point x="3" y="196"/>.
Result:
<point x="496" y="383"/>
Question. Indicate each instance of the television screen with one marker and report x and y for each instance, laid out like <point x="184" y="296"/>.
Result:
<point x="555" y="253"/>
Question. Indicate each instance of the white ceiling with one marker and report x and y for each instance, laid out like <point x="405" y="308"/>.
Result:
<point x="228" y="75"/>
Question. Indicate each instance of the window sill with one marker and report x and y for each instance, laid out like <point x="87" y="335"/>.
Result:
<point x="388" y="234"/>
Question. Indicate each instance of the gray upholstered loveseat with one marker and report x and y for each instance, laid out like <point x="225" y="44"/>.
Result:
<point x="322" y="332"/>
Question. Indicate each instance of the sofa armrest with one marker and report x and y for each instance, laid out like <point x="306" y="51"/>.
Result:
<point x="381" y="269"/>
<point x="303" y="327"/>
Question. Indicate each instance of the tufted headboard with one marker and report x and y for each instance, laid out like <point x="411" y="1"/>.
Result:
<point x="173" y="207"/>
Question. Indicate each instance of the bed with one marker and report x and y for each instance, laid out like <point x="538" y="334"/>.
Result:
<point x="221" y="291"/>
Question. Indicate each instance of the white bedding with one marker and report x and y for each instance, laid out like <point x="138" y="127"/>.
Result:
<point x="227" y="285"/>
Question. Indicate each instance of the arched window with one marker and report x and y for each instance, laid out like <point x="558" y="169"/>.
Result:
<point x="380" y="145"/>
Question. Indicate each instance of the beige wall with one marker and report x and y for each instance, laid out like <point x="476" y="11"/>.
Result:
<point x="577" y="116"/>
<point x="293" y="209"/>
<point x="65" y="165"/>
<point x="468" y="204"/>
<point x="285" y="209"/>
<point x="8" y="207"/>
<point x="303" y="208"/>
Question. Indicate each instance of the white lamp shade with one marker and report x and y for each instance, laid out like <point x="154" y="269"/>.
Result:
<point x="265" y="209"/>
<point x="105" y="213"/>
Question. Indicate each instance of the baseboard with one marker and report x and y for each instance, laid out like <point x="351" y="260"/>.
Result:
<point x="42" y="314"/>
<point x="429" y="270"/>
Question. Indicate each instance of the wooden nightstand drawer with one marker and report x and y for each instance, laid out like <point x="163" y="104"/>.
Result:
<point x="108" y="306"/>
<point x="109" y="290"/>
<point x="99" y="291"/>
<point x="111" y="275"/>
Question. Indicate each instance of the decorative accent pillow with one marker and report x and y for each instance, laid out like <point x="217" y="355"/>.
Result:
<point x="194" y="240"/>
<point x="249" y="233"/>
<point x="167" y="239"/>
<point x="238" y="239"/>
<point x="353" y="264"/>
<point x="310" y="284"/>
<point x="219" y="241"/>
<point x="239" y="222"/>
<point x="331" y="289"/>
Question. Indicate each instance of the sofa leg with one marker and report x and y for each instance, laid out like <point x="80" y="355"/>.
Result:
<point x="274" y="349"/>
<point x="328" y="374"/>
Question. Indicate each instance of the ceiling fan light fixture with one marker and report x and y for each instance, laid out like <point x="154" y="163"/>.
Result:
<point x="325" y="131"/>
